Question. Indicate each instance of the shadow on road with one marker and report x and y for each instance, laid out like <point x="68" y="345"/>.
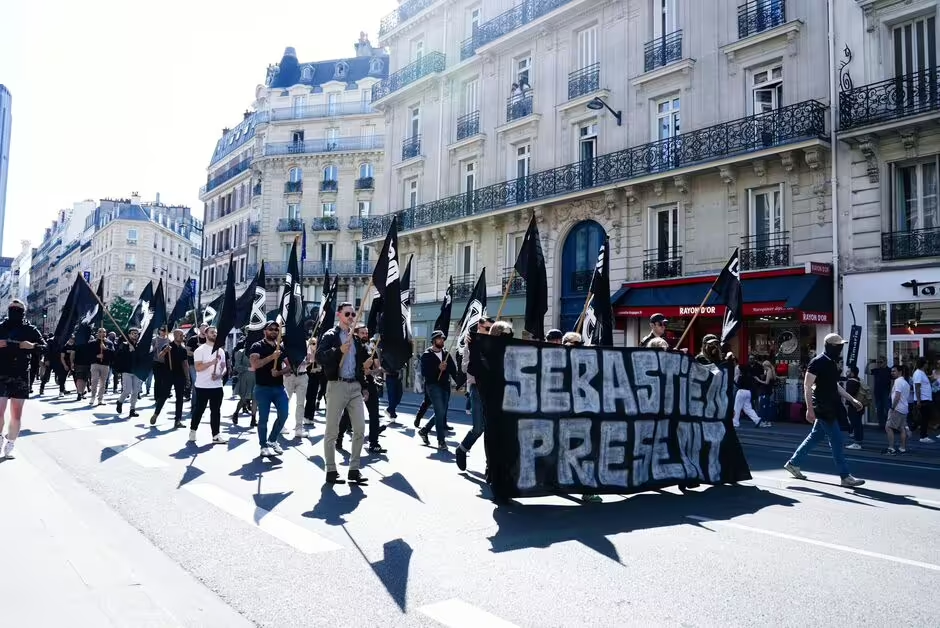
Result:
<point x="333" y="507"/>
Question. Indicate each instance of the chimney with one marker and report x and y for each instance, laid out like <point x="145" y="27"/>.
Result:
<point x="135" y="198"/>
<point x="158" y="198"/>
<point x="363" y="47"/>
<point x="246" y="115"/>
<point x="225" y="130"/>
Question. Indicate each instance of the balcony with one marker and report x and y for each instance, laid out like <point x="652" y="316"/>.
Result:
<point x="355" y="223"/>
<point x="662" y="263"/>
<point x="329" y="185"/>
<point x="428" y="64"/>
<point x="364" y="183"/>
<point x="325" y="223"/>
<point x="463" y="286"/>
<point x="225" y="175"/>
<point x="294" y="187"/>
<point x="519" y="106"/>
<point x="334" y="145"/>
<point x="889" y="100"/>
<point x="257" y="189"/>
<point x="584" y="81"/>
<point x="254" y="228"/>
<point x="129" y="293"/>
<point x="468" y="125"/>
<point x="913" y="244"/>
<point x="512" y="282"/>
<point x="290" y="225"/>
<point x="758" y="16"/>
<point x="315" y="111"/>
<point x="343" y="268"/>
<point x="410" y="147"/>
<point x="52" y="282"/>
<point x="795" y="123"/>
<point x="768" y="250"/>
<point x="132" y="241"/>
<point x="662" y="51"/>
<point x="404" y="12"/>
<point x="524" y="13"/>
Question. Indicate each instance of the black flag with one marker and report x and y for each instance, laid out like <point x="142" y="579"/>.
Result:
<point x="184" y="304"/>
<point x="99" y="317"/>
<point x="728" y="289"/>
<point x="249" y="308"/>
<point x="598" y="328"/>
<point x="406" y="301"/>
<point x="210" y="313"/>
<point x="374" y="320"/>
<point x="63" y="328"/>
<point x="530" y="265"/>
<point x="79" y="314"/>
<point x="291" y="313"/>
<point x="396" y="348"/>
<point x="326" y="316"/>
<point x="227" y="316"/>
<point x="291" y="278"/>
<point x="142" y="312"/>
<point x="447" y="305"/>
<point x="475" y="310"/>
<point x="154" y="318"/>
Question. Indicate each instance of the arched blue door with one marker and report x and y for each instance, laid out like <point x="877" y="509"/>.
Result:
<point x="579" y="255"/>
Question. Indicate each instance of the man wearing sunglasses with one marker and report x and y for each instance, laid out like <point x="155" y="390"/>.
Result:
<point x="342" y="357"/>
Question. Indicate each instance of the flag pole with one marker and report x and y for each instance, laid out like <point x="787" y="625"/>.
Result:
<point x="502" y="303"/>
<point x="280" y="328"/>
<point x="104" y="309"/>
<point x="688" y="327"/>
<point x="587" y="304"/>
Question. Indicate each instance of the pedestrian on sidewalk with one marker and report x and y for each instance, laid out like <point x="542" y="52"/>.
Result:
<point x="923" y="400"/>
<point x="18" y="339"/>
<point x="746" y="383"/>
<point x="265" y="358"/>
<point x="210" y="373"/>
<point x="900" y="407"/>
<point x="823" y="397"/>
<point x="100" y="367"/>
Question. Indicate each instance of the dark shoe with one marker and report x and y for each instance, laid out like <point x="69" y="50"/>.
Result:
<point x="424" y="438"/>
<point x="355" y="477"/>
<point x="377" y="449"/>
<point x="339" y="445"/>
<point x="119" y="407"/>
<point x="132" y="414"/>
<point x="254" y="423"/>
<point x="153" y="420"/>
<point x="235" y="419"/>
<point x="177" y="425"/>
<point x="417" y="422"/>
<point x="332" y="477"/>
<point x="461" y="459"/>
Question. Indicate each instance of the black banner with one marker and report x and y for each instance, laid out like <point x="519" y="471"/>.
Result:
<point x="603" y="419"/>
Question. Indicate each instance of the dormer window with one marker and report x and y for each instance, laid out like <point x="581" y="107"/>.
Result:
<point x="306" y="74"/>
<point x="375" y="66"/>
<point x="340" y="71"/>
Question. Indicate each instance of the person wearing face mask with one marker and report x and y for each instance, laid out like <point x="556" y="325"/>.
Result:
<point x="823" y="397"/>
<point x="18" y="339"/>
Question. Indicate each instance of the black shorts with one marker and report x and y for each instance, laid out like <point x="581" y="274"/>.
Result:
<point x="14" y="387"/>
<point x="82" y="372"/>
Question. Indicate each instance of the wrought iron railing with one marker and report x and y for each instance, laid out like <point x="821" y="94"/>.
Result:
<point x="132" y="241"/>
<point x="410" y="147"/>
<point x="364" y="183"/>
<point x="662" y="51"/>
<point x="330" y="185"/>
<point x="760" y="15"/>
<point x="317" y="268"/>
<point x="293" y="187"/>
<point x="512" y="281"/>
<point x="581" y="280"/>
<point x="584" y="81"/>
<point x="129" y="293"/>
<point x="463" y="286"/>
<point x="519" y="106"/>
<point x="404" y="12"/>
<point x="662" y="263"/>
<point x="225" y="175"/>
<point x="287" y="225"/>
<point x="355" y="223"/>
<point x="325" y="223"/>
<point x="130" y="267"/>
<point x="254" y="228"/>
<point x="468" y="48"/>
<point x="913" y="244"/>
<point x="468" y="125"/>
<point x="315" y="111"/>
<point x="516" y="17"/>
<point x="335" y="145"/>
<point x="428" y="64"/>
<point x="766" y="250"/>
<point x="892" y="99"/>
<point x="794" y="123"/>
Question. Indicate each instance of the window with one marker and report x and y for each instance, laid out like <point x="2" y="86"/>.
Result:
<point x="375" y="66"/>
<point x="469" y="177"/>
<point x="474" y="18"/>
<point x="300" y="102"/>
<point x="293" y="211"/>
<point x="328" y="210"/>
<point x="667" y="118"/>
<point x="297" y="136"/>
<point x="331" y="173"/>
<point x="587" y="47"/>
<point x="365" y="208"/>
<point x="766" y="213"/>
<point x="523" y="161"/>
<point x="664" y="18"/>
<point x="362" y="252"/>
<point x="366" y="170"/>
<point x="295" y="175"/>
<point x="130" y="259"/>
<point x="513" y="245"/>
<point x="415" y="121"/>
<point x="332" y="138"/>
<point x="326" y="252"/>
<point x="465" y="258"/>
<point x="417" y="49"/>
<point x="767" y="89"/>
<point x="339" y="71"/>
<point x="914" y="197"/>
<point x="306" y="74"/>
<point x="132" y="234"/>
<point x="411" y="192"/>
<point x="367" y="135"/>
<point x="331" y="100"/>
<point x="365" y="99"/>
<point x="471" y="90"/>
<point x="664" y="232"/>
<point x="587" y="150"/>
<point x="914" y="46"/>
<point x="523" y="67"/>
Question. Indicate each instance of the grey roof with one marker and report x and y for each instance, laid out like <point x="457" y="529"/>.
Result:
<point x="290" y="72"/>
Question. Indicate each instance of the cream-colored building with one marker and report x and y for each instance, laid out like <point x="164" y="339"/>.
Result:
<point x="14" y="284"/>
<point x="683" y="129"/>
<point x="302" y="165"/>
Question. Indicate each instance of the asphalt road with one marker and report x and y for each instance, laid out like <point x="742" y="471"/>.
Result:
<point x="215" y="536"/>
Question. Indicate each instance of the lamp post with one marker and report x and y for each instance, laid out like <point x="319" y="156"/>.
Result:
<point x="596" y="104"/>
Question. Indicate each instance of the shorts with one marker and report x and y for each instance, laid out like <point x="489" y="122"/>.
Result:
<point x="14" y="387"/>
<point x="82" y="372"/>
<point x="896" y="420"/>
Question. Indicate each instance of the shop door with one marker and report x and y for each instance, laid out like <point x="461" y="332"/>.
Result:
<point x="932" y="350"/>
<point x="579" y="256"/>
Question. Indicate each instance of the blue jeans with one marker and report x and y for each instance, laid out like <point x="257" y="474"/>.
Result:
<point x="393" y="393"/>
<point x="479" y="422"/>
<point x="264" y="397"/>
<point x="822" y="429"/>
<point x="766" y="408"/>
<point x="440" y="398"/>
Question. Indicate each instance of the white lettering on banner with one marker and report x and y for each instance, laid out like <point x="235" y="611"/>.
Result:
<point x="575" y="458"/>
<point x="536" y="439"/>
<point x="556" y="399"/>
<point x="708" y="309"/>
<point x="584" y="369"/>
<point x="612" y="455"/>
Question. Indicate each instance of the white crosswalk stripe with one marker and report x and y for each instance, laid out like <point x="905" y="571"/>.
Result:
<point x="456" y="613"/>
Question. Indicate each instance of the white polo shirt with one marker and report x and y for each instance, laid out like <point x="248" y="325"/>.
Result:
<point x="204" y="378"/>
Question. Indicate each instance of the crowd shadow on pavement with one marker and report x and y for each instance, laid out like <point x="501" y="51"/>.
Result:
<point x="333" y="507"/>
<point x="524" y="526"/>
<point x="891" y="498"/>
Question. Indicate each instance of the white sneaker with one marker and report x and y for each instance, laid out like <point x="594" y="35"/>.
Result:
<point x="266" y="452"/>
<point x="301" y="433"/>
<point x="192" y="436"/>
<point x="850" y="482"/>
<point x="853" y="446"/>
<point x="794" y="471"/>
<point x="218" y="439"/>
<point x="926" y="440"/>
<point x="8" y="449"/>
<point x="275" y="448"/>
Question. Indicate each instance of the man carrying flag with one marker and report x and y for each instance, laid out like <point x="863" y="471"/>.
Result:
<point x="598" y="326"/>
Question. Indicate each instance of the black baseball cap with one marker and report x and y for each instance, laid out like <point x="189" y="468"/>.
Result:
<point x="658" y="318"/>
<point x="554" y="334"/>
<point x="438" y="334"/>
<point x="709" y="338"/>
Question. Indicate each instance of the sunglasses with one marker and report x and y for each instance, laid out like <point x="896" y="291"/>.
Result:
<point x="349" y="314"/>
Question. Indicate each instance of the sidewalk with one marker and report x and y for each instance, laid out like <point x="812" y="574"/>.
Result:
<point x="69" y="560"/>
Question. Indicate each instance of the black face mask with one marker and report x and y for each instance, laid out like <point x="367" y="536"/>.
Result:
<point x="15" y="315"/>
<point x="833" y="352"/>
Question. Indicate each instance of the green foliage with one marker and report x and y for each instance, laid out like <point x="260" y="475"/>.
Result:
<point x="120" y="310"/>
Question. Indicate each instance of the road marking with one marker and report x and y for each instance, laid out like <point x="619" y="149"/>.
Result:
<point x="133" y="454"/>
<point x="458" y="614"/>
<point x="294" y="535"/>
<point x="75" y="422"/>
<point x="865" y="461"/>
<point x="801" y="539"/>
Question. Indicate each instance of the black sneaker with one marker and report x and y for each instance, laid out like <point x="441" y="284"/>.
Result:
<point x="377" y="449"/>
<point x="417" y="422"/>
<point x="461" y="459"/>
<point x="332" y="477"/>
<point x="355" y="477"/>
<point x="132" y="414"/>
<point x="153" y="420"/>
<point x="339" y="444"/>
<point x="425" y="439"/>
<point x="119" y="407"/>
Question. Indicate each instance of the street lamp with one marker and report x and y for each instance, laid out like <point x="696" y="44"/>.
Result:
<point x="596" y="104"/>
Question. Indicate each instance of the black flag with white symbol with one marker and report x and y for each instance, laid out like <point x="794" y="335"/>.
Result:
<point x="63" y="329"/>
<point x="530" y="265"/>
<point x="598" y="328"/>
<point x="396" y="348"/>
<point x="154" y="318"/>
<point x="143" y="311"/>
<point x="291" y="279"/>
<point x="326" y="316"/>
<point x="249" y="308"/>
<point x="99" y="316"/>
<point x="210" y="313"/>
<point x="293" y="331"/>
<point x="447" y="305"/>
<point x="229" y="311"/>
<point x="405" y="301"/>
<point x="81" y="309"/>
<point x="728" y="289"/>
<point x="184" y="304"/>
<point x="475" y="310"/>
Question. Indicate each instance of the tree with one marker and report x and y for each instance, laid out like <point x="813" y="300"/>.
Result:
<point x="120" y="310"/>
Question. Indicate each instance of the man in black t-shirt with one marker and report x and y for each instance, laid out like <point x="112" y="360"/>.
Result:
<point x="82" y="355"/>
<point x="18" y="339"/>
<point x="823" y="397"/>
<point x="265" y="358"/>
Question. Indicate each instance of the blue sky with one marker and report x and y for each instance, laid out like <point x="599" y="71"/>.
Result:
<point x="112" y="97"/>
